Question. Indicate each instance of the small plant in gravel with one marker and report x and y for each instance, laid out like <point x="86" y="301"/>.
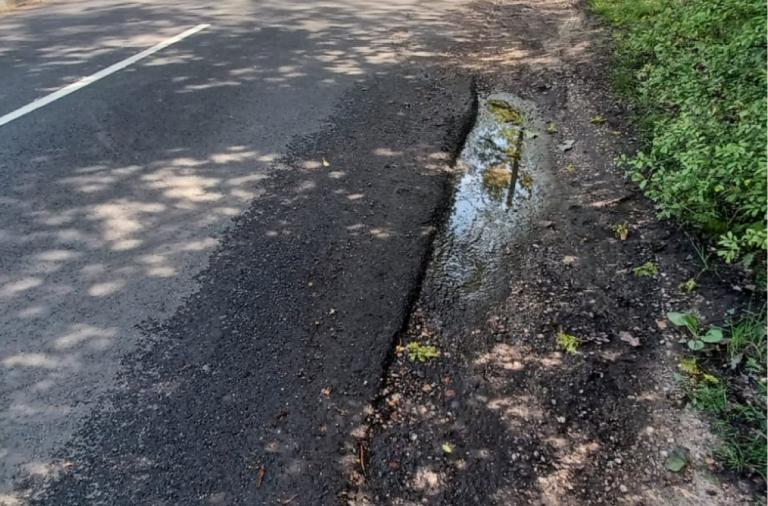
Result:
<point x="621" y="231"/>
<point x="568" y="343"/>
<point x="647" y="270"/>
<point x="597" y="120"/>
<point x="735" y="401"/>
<point x="551" y="128"/>
<point x="418" y="352"/>
<point x="688" y="286"/>
<point x="698" y="340"/>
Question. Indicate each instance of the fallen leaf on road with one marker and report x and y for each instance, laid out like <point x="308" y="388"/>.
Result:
<point x="362" y="459"/>
<point x="447" y="448"/>
<point x="326" y="391"/>
<point x="662" y="324"/>
<point x="326" y="163"/>
<point x="629" y="339"/>
<point x="676" y="460"/>
<point x="567" y="145"/>
<point x="260" y="476"/>
<point x="569" y="260"/>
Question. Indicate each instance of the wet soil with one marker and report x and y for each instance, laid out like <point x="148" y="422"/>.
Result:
<point x="504" y="415"/>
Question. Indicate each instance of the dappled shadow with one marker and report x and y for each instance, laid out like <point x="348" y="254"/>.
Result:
<point x="114" y="198"/>
<point x="504" y="416"/>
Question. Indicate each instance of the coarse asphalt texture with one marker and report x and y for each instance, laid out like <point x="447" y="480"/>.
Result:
<point x="205" y="256"/>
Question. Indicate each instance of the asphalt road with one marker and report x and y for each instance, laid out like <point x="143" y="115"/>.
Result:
<point x="205" y="256"/>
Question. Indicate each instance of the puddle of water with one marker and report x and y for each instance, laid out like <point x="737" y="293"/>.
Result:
<point x="506" y="166"/>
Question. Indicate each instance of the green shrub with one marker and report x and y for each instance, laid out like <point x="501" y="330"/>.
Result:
<point x="696" y="71"/>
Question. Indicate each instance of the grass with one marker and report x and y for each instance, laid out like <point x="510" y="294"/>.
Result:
<point x="736" y="400"/>
<point x="695" y="72"/>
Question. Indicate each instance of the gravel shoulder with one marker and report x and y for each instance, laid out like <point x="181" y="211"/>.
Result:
<point x="504" y="415"/>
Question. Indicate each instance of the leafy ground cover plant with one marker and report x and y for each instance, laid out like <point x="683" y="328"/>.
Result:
<point x="695" y="69"/>
<point x="418" y="352"/>
<point x="690" y="322"/>
<point x="729" y="384"/>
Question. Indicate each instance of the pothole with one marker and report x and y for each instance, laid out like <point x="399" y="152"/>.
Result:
<point x="506" y="167"/>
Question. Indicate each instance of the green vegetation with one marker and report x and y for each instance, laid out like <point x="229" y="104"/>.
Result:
<point x="736" y="401"/>
<point x="568" y="343"/>
<point x="691" y="323"/>
<point x="418" y="352"/>
<point x="688" y="286"/>
<point x="695" y="69"/>
<point x="647" y="270"/>
<point x="621" y="231"/>
<point x="504" y="112"/>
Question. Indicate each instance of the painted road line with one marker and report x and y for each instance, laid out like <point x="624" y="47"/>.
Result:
<point x="82" y="83"/>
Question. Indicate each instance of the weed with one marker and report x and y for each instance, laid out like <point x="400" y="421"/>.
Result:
<point x="697" y="341"/>
<point x="568" y="343"/>
<point x="551" y="128"/>
<point x="621" y="231"/>
<point x="647" y="270"/>
<point x="711" y="398"/>
<point x="688" y="286"/>
<point x="418" y="352"/>
<point x="570" y="168"/>
<point x="738" y="409"/>
<point x="748" y="344"/>
<point x="597" y="120"/>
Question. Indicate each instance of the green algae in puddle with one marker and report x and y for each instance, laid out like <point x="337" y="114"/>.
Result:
<point x="526" y="180"/>
<point x="504" y="112"/>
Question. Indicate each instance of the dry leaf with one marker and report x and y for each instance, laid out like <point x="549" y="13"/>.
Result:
<point x="326" y="163"/>
<point x="629" y="339"/>
<point x="260" y="476"/>
<point x="569" y="260"/>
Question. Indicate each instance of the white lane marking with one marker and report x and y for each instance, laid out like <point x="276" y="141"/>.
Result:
<point x="43" y="101"/>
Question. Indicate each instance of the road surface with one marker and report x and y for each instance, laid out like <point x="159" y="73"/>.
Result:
<point x="205" y="254"/>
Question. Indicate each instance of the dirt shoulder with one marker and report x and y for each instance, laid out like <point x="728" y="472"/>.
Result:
<point x="504" y="415"/>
